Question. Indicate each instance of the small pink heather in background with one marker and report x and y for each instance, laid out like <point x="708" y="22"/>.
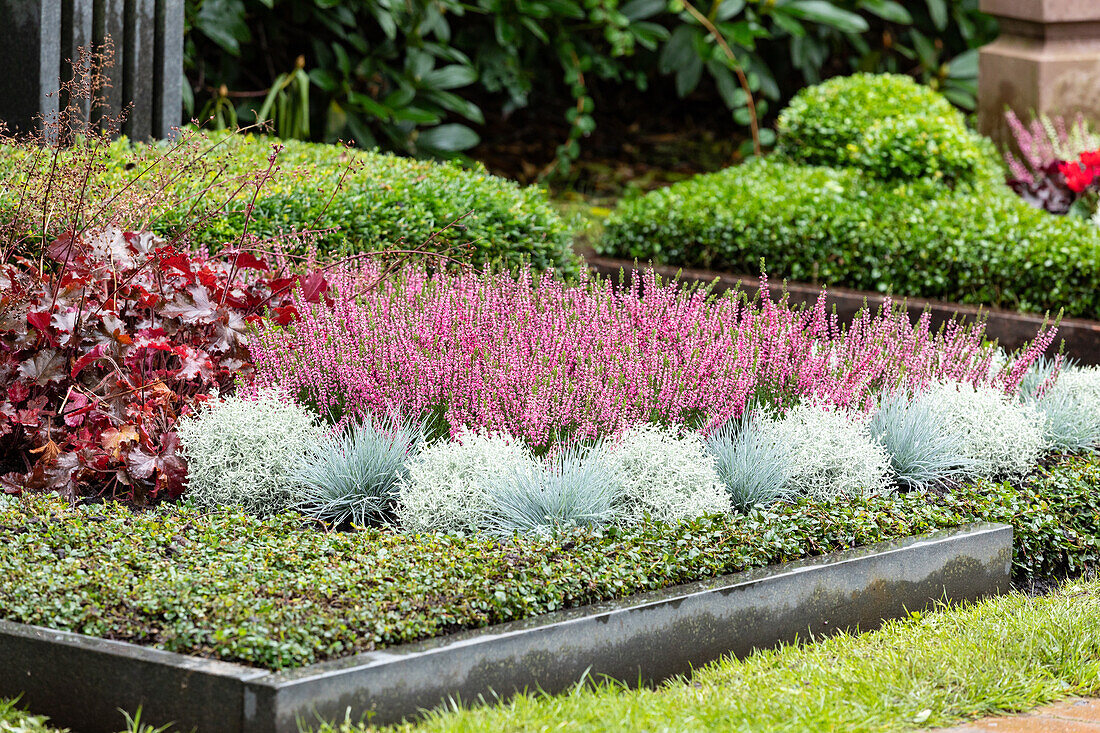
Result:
<point x="549" y="362"/>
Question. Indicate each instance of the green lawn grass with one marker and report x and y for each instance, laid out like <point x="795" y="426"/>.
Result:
<point x="1004" y="655"/>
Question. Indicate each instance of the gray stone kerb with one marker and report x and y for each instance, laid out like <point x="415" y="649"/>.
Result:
<point x="81" y="682"/>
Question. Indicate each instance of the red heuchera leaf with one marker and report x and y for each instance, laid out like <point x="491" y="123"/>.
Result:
<point x="65" y="248"/>
<point x="314" y="286"/>
<point x="285" y="314"/>
<point x="94" y="354"/>
<point x="249" y="261"/>
<point x="76" y="409"/>
<point x="40" y="320"/>
<point x="18" y="391"/>
<point x="44" y="367"/>
<point x="143" y="338"/>
<point x="179" y="262"/>
<point x="193" y="306"/>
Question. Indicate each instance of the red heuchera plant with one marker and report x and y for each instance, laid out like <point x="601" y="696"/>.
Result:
<point x="110" y="337"/>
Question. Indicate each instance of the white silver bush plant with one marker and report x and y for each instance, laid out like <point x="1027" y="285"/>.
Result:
<point x="830" y="454"/>
<point x="1001" y="436"/>
<point x="571" y="488"/>
<point x="923" y="453"/>
<point x="753" y="464"/>
<point x="244" y="452"/>
<point x="352" y="475"/>
<point x="664" y="475"/>
<point x="445" y="487"/>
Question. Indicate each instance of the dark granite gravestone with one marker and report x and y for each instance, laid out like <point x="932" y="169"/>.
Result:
<point x="40" y="44"/>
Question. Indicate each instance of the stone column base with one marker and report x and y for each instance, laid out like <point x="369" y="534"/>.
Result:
<point x="1047" y="59"/>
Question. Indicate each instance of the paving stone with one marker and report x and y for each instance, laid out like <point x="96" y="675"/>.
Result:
<point x="1068" y="716"/>
<point x="1087" y="710"/>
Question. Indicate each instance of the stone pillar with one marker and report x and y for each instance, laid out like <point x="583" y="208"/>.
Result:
<point x="39" y="42"/>
<point x="30" y="61"/>
<point x="1047" y="59"/>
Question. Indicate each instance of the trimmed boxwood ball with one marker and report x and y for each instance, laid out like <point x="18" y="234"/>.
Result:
<point x="917" y="147"/>
<point x="824" y="124"/>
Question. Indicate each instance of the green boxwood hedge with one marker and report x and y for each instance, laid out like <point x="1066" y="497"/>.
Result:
<point x="977" y="244"/>
<point x="825" y="124"/>
<point x="279" y="593"/>
<point x="384" y="201"/>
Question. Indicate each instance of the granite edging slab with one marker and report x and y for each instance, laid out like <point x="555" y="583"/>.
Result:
<point x="81" y="682"/>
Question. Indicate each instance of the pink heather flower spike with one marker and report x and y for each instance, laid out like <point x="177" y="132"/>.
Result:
<point x="551" y="363"/>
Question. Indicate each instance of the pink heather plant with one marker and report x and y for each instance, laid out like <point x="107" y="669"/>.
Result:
<point x="1045" y="141"/>
<point x="550" y="362"/>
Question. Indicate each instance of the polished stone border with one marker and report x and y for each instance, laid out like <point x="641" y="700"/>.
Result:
<point x="80" y="681"/>
<point x="1010" y="328"/>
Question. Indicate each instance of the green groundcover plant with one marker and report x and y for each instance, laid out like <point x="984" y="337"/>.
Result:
<point x="877" y="185"/>
<point x="277" y="593"/>
<point x="350" y="200"/>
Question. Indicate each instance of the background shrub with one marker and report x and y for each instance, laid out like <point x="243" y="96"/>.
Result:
<point x="372" y="201"/>
<point x="974" y="244"/>
<point x="245" y="452"/>
<point x="417" y="76"/>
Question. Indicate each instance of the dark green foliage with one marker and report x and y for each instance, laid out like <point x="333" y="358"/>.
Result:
<point x="382" y="202"/>
<point x="975" y="243"/>
<point x="415" y="76"/>
<point x="279" y="593"/>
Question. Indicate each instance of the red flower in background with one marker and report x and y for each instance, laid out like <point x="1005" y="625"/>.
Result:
<point x="1078" y="177"/>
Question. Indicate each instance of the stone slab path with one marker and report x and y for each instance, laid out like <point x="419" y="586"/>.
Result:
<point x="1069" y="716"/>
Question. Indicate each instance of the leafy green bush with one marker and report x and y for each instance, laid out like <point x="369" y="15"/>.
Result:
<point x="919" y="147"/>
<point x="886" y="124"/>
<point x="372" y="200"/>
<point x="414" y="76"/>
<point x="275" y="593"/>
<point x="839" y="226"/>
<point x="824" y="123"/>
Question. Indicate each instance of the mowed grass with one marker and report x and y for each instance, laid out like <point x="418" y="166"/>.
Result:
<point x="1004" y="655"/>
